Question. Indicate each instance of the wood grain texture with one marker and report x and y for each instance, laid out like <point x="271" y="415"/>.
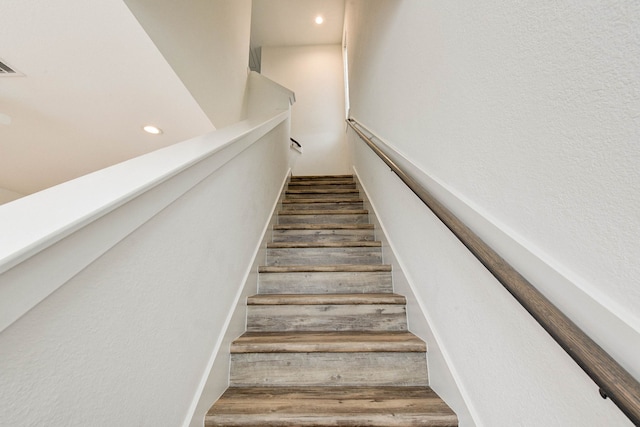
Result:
<point x="323" y="235"/>
<point x="321" y="204"/>
<point x="335" y="299"/>
<point x="338" y="342"/>
<point x="320" y="282"/>
<point x="327" y="199"/>
<point x="321" y="193"/>
<point x="329" y="255"/>
<point x="327" y="226"/>
<point x="306" y="245"/>
<point x="308" y="177"/>
<point x="322" y="180"/>
<point x="309" y="212"/>
<point x="302" y="185"/>
<point x="332" y="192"/>
<point x="335" y="406"/>
<point x="329" y="369"/>
<point x="326" y="317"/>
<point x="325" y="268"/>
<point x="319" y="217"/>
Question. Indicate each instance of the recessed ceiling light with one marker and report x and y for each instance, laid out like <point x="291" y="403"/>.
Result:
<point x="319" y="19"/>
<point x="152" y="130"/>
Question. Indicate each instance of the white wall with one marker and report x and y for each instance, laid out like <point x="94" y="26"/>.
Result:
<point x="8" y="195"/>
<point x="207" y="44"/>
<point x="91" y="79"/>
<point x="113" y="308"/>
<point x="523" y="118"/>
<point x="315" y="74"/>
<point x="440" y="376"/>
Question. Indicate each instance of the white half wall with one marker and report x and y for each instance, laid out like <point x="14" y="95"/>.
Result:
<point x="117" y="288"/>
<point x="207" y="44"/>
<point x="8" y="195"/>
<point x="440" y="376"/>
<point x="315" y="74"/>
<point x="92" y="78"/>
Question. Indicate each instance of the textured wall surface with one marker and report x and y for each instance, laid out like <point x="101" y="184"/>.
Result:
<point x="85" y="113"/>
<point x="128" y="341"/>
<point x="207" y="44"/>
<point x="8" y="195"/>
<point x="315" y="74"/>
<point x="529" y="115"/>
<point x="530" y="110"/>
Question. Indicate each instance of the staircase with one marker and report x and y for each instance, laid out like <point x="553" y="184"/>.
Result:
<point x="327" y="341"/>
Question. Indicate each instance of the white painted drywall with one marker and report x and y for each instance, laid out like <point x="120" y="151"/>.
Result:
<point x="91" y="79"/>
<point x="440" y="376"/>
<point x="261" y="93"/>
<point x="524" y="119"/>
<point x="315" y="74"/>
<point x="292" y="22"/>
<point x="492" y="363"/>
<point x="126" y="300"/>
<point x="8" y="195"/>
<point x="207" y="44"/>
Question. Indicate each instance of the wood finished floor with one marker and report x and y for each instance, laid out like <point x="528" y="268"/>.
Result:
<point x="327" y="343"/>
<point x="333" y="406"/>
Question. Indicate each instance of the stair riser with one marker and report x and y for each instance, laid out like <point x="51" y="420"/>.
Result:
<point x="324" y="256"/>
<point x="326" y="199"/>
<point x="327" y="194"/>
<point x="314" y="186"/>
<point x="329" y="369"/>
<point x="324" y="219"/>
<point x="316" y="177"/>
<point x="322" y="236"/>
<point x="326" y="318"/>
<point x="325" y="283"/>
<point x="322" y="182"/>
<point x="331" y="420"/>
<point x="316" y="206"/>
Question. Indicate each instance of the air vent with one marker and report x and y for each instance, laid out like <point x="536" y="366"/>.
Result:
<point x="6" y="70"/>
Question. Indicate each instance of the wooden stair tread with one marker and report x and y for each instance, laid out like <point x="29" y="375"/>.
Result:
<point x="323" y="183"/>
<point x="322" y="191"/>
<point x="355" y="268"/>
<point x="325" y="299"/>
<point x="346" y="244"/>
<point x="344" y="201"/>
<point x="327" y="226"/>
<point x="324" y="212"/>
<point x="327" y="342"/>
<point x="303" y="177"/>
<point x="331" y="406"/>
<point x="336" y="226"/>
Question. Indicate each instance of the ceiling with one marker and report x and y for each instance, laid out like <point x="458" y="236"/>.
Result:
<point x="291" y="22"/>
<point x="91" y="79"/>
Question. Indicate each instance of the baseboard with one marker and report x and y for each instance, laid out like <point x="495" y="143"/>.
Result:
<point x="215" y="379"/>
<point x="447" y="384"/>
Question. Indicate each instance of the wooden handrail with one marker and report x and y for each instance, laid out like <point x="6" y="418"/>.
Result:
<point x="614" y="381"/>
